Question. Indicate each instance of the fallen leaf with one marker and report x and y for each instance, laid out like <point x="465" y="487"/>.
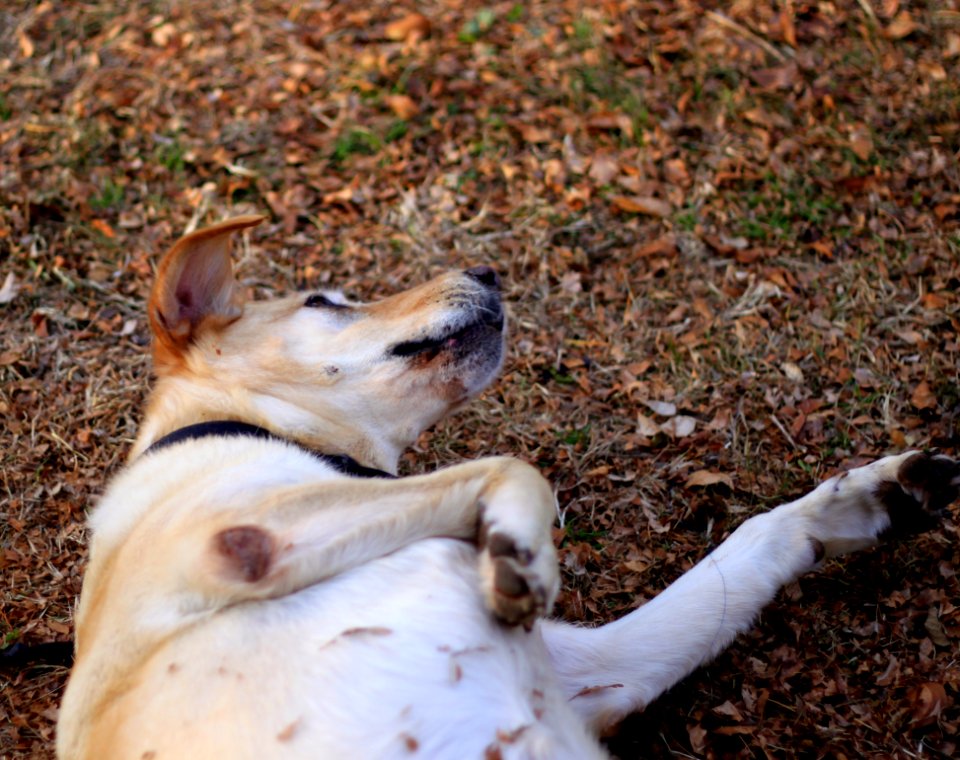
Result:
<point x="10" y="289"/>
<point x="928" y="702"/>
<point x="697" y="736"/>
<point x="902" y="26"/>
<point x="935" y="629"/>
<point x="402" y="105"/>
<point x="923" y="397"/>
<point x="675" y="172"/>
<point x="704" y="478"/>
<point x="406" y="27"/>
<point x="103" y="227"/>
<point x="26" y="44"/>
<point x="777" y="78"/>
<point x="603" y="168"/>
<point x="679" y="426"/>
<point x="792" y="371"/>
<point x="611" y="120"/>
<point x="636" y="204"/>
<point x="663" y="408"/>
<point x="861" y="142"/>
<point x="646" y="427"/>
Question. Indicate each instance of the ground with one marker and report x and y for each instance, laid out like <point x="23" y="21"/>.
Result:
<point x="730" y="240"/>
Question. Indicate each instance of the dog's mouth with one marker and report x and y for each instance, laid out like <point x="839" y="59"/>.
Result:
<point x="455" y="340"/>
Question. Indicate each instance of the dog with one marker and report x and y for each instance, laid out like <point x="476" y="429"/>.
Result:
<point x="262" y="585"/>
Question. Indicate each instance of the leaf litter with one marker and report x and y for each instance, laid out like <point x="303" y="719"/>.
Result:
<point x="747" y="212"/>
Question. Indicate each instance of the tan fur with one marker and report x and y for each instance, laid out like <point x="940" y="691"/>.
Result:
<point x="183" y="536"/>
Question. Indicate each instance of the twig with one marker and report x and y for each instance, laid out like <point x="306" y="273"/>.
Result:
<point x="733" y="26"/>
<point x="782" y="429"/>
<point x="868" y="12"/>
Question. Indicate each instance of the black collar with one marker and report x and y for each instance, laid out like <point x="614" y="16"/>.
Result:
<point x="340" y="462"/>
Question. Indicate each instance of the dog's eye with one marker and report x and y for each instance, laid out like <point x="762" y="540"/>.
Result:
<point x="320" y="301"/>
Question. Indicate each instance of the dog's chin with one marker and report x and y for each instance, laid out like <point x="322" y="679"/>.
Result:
<point x="477" y="357"/>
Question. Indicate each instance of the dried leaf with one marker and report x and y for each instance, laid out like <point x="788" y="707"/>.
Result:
<point x="646" y="427"/>
<point x="636" y="204"/>
<point x="923" y="397"/>
<point x="408" y="26"/>
<point x="929" y="700"/>
<point x="777" y="78"/>
<point x="402" y="105"/>
<point x="935" y="629"/>
<point x="902" y="26"/>
<point x="792" y="371"/>
<point x="10" y="289"/>
<point x="663" y="408"/>
<point x="603" y="169"/>
<point x="704" y="478"/>
<point x="679" y="426"/>
<point x="861" y="143"/>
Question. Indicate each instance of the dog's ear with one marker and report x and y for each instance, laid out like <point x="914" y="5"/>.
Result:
<point x="195" y="287"/>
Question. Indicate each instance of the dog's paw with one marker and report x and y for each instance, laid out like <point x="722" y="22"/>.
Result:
<point x="925" y="485"/>
<point x="894" y="497"/>
<point x="520" y="583"/>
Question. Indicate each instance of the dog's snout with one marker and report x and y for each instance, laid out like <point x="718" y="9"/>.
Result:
<point x="485" y="275"/>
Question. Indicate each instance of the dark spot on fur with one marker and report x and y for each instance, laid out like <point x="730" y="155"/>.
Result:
<point x="288" y="732"/>
<point x="510" y="737"/>
<point x="410" y="743"/>
<point x="248" y="550"/>
<point x="586" y="691"/>
<point x="372" y="631"/>
<point x="509" y="582"/>
<point x="502" y="545"/>
<point x="148" y="755"/>
<point x="819" y="550"/>
<point x="172" y="668"/>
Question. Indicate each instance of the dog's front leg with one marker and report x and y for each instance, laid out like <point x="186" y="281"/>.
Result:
<point x="611" y="671"/>
<point x="293" y="537"/>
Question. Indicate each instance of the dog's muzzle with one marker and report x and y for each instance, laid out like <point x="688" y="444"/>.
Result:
<point x="478" y="328"/>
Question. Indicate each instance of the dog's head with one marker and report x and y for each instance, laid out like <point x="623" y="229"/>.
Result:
<point x="315" y="365"/>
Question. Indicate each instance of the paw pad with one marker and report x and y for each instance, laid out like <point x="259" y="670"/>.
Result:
<point x="926" y="484"/>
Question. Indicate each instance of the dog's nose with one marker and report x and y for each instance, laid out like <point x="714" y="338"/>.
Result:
<point x="485" y="276"/>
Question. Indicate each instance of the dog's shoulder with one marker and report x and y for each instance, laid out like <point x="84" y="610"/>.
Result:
<point x="218" y="471"/>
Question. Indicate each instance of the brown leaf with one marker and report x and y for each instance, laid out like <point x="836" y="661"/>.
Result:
<point x="611" y="120"/>
<point x="10" y="289"/>
<point x="26" y="44"/>
<point x="697" y="735"/>
<point x="923" y="397"/>
<point x="935" y="629"/>
<point x="603" y="168"/>
<point x="928" y="702"/>
<point x="777" y="78"/>
<point x="637" y="204"/>
<point x="704" y="478"/>
<point x="675" y="172"/>
<point x="902" y="26"/>
<point x="861" y="142"/>
<point x="402" y="105"/>
<point x="406" y="27"/>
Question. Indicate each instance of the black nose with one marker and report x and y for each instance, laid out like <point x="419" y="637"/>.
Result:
<point x="485" y="276"/>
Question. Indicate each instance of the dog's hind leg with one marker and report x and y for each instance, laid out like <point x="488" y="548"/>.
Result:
<point x="611" y="671"/>
<point x="296" y="536"/>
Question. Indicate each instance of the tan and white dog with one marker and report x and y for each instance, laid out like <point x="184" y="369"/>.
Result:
<point x="260" y="586"/>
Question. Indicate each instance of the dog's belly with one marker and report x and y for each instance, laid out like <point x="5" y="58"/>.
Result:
<point x="398" y="658"/>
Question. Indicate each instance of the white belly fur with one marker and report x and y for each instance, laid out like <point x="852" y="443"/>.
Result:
<point x="398" y="657"/>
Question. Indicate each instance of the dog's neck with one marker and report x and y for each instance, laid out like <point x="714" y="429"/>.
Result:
<point x="176" y="404"/>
